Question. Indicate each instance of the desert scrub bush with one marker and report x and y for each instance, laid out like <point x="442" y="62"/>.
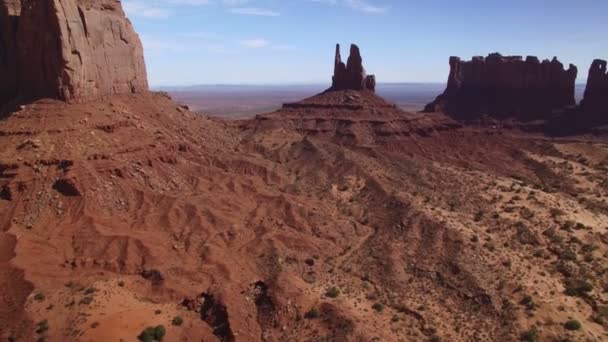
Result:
<point x="539" y="253"/>
<point x="435" y="338"/>
<point x="568" y="225"/>
<point x="379" y="307"/>
<point x="578" y="287"/>
<point x="567" y="255"/>
<point x="556" y="212"/>
<point x="86" y="301"/>
<point x="588" y="248"/>
<point x="151" y="334"/>
<point x="479" y="216"/>
<point x="177" y="321"/>
<point x="312" y="313"/>
<point x="526" y="213"/>
<point x="528" y="302"/>
<point x="332" y="292"/>
<point x="39" y="297"/>
<point x="529" y="335"/>
<point x="89" y="290"/>
<point x="42" y="326"/>
<point x="572" y="325"/>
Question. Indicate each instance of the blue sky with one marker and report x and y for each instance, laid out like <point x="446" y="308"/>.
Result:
<point x="292" y="41"/>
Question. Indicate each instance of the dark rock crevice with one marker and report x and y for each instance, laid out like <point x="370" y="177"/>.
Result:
<point x="216" y="315"/>
<point x="66" y="187"/>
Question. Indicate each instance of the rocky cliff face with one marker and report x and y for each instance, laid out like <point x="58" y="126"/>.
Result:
<point x="352" y="74"/>
<point x="73" y="50"/>
<point x="9" y="14"/>
<point x="595" y="102"/>
<point x="506" y="87"/>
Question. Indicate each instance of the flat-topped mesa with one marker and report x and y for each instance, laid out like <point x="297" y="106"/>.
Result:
<point x="72" y="50"/>
<point x="506" y="87"/>
<point x="352" y="74"/>
<point x="595" y="101"/>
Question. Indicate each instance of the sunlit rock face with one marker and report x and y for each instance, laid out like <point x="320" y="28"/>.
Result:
<point x="72" y="50"/>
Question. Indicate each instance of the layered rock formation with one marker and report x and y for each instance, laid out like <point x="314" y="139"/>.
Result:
<point x="595" y="102"/>
<point x="352" y="74"/>
<point x="506" y="87"/>
<point x="72" y="50"/>
<point x="9" y="14"/>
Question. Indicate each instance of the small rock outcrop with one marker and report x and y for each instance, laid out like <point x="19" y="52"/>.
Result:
<point x="506" y="87"/>
<point x="72" y="50"/>
<point x="352" y="74"/>
<point x="595" y="101"/>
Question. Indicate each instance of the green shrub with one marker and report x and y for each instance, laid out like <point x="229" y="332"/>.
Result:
<point x="568" y="255"/>
<point x="89" y="290"/>
<point x="578" y="287"/>
<point x="539" y="253"/>
<point x="572" y="325"/>
<point x="86" y="301"/>
<point x="177" y="321"/>
<point x="379" y="307"/>
<point x="151" y="334"/>
<point x="528" y="302"/>
<point x="332" y="292"/>
<point x="39" y="297"/>
<point x="312" y="313"/>
<point x="42" y="326"/>
<point x="529" y="335"/>
<point x="555" y="212"/>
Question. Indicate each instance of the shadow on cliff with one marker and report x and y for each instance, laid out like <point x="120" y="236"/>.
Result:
<point x="575" y="121"/>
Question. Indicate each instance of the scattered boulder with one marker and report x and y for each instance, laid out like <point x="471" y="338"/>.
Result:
<point x="506" y="87"/>
<point x="595" y="101"/>
<point x="90" y="50"/>
<point x="351" y="75"/>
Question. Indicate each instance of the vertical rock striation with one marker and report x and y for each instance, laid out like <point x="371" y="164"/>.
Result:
<point x="595" y="101"/>
<point x="73" y="50"/>
<point x="9" y="15"/>
<point x="506" y="87"/>
<point x="352" y="74"/>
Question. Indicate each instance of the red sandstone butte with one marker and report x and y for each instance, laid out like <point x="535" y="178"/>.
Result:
<point x="72" y="50"/>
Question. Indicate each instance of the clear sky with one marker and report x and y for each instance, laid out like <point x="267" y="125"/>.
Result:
<point x="191" y="42"/>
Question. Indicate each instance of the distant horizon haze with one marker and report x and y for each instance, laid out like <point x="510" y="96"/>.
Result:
<point x="245" y="101"/>
<point x="278" y="42"/>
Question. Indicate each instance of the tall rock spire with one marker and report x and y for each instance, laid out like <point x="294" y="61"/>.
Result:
<point x="351" y="75"/>
<point x="595" y="102"/>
